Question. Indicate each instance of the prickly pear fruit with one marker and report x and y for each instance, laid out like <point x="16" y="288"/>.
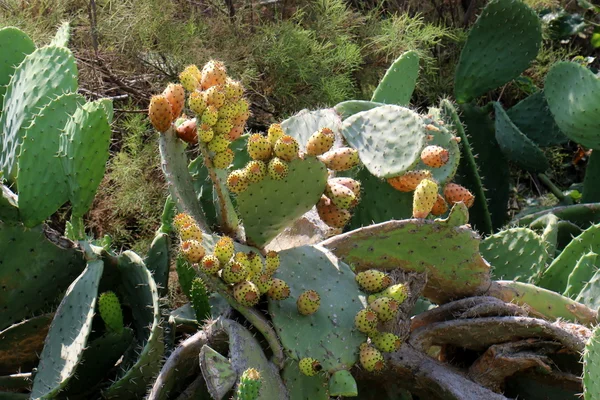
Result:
<point x="373" y="280"/>
<point x="190" y="232"/>
<point x="227" y="111"/>
<point x="182" y="219"/>
<point x="331" y="215"/>
<point x="236" y="132"/>
<point x="263" y="282"/>
<point x="274" y="133"/>
<point x="237" y="181"/>
<point x="223" y="159"/>
<point x="349" y="183"/>
<point x="286" y="148"/>
<point x="241" y="118"/>
<point x="175" y="95"/>
<point x="110" y="311"/>
<point x="424" y="198"/>
<point x="224" y="249"/>
<point x="271" y="262"/>
<point x="160" y="113"/>
<point x="218" y="144"/>
<point x="434" y="156"/>
<point x="308" y="302"/>
<point x="259" y="147"/>
<point x="255" y="171"/>
<point x="234" y="272"/>
<point x="199" y="300"/>
<point x="213" y="73"/>
<point x="187" y="131"/>
<point x="210" y="116"/>
<point x="366" y="320"/>
<point x="320" y="142"/>
<point x="440" y="207"/>
<point x="197" y="103"/>
<point x="385" y="307"/>
<point x="249" y="386"/>
<point x="210" y="264"/>
<point x="246" y="293"/>
<point x="233" y="90"/>
<point x="242" y="258"/>
<point x="370" y="358"/>
<point x="214" y="96"/>
<point x="223" y="127"/>
<point x="255" y="264"/>
<point x="206" y="134"/>
<point x="398" y="292"/>
<point x="456" y="193"/>
<point x="340" y="195"/>
<point x="190" y="78"/>
<point x="278" y="169"/>
<point x="409" y="181"/>
<point x="192" y="250"/>
<point x="386" y="342"/>
<point x="279" y="290"/>
<point x="341" y="159"/>
<point x="309" y="366"/>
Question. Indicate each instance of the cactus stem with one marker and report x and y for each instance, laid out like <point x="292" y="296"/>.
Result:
<point x="551" y="186"/>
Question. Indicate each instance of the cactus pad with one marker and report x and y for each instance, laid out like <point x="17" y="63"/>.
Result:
<point x="342" y="383"/>
<point x="268" y="207"/>
<point x="302" y="387"/>
<point x="217" y="372"/>
<point x="21" y="343"/>
<point x="328" y="335"/>
<point x="389" y="139"/>
<point x="583" y="272"/>
<point x="590" y="294"/>
<point x="350" y="107"/>
<point x="158" y="262"/>
<point x="302" y="125"/>
<point x="505" y="39"/>
<point x="15" y="45"/>
<point x="398" y="83"/>
<point x="591" y="367"/>
<point x="62" y="35"/>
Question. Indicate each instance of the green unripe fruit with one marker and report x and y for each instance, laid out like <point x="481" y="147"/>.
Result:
<point x="255" y="265"/>
<point x="234" y="272"/>
<point x="222" y="127"/>
<point x="370" y="358"/>
<point x="224" y="249"/>
<point x="397" y="292"/>
<point x="366" y="320"/>
<point x="110" y="312"/>
<point x="210" y="116"/>
<point x="218" y="144"/>
<point x="309" y="366"/>
<point x="308" y="302"/>
<point x="199" y="300"/>
<point x="205" y="133"/>
<point x="197" y="103"/>
<point x="279" y="290"/>
<point x="386" y="342"/>
<point x="246" y="293"/>
<point x="263" y="282"/>
<point x="373" y="280"/>
<point x="385" y="307"/>
<point x="223" y="159"/>
<point x="271" y="262"/>
<point x="249" y="386"/>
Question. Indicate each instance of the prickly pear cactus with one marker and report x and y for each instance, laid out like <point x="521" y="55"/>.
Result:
<point x="16" y="45"/>
<point x="302" y="387"/>
<point x="398" y="83"/>
<point x="583" y="272"/>
<point x="591" y="367"/>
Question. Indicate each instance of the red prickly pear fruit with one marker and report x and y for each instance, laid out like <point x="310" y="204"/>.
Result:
<point x="233" y="89"/>
<point x="366" y="320"/>
<point x="349" y="183"/>
<point x="206" y="134"/>
<point x="409" y="181"/>
<point x="309" y="366"/>
<point x="386" y="342"/>
<point x="340" y="196"/>
<point x="272" y="262"/>
<point x="236" y="132"/>
<point x="370" y="358"/>
<point x="398" y="292"/>
<point x="210" y="264"/>
<point x="263" y="282"/>
<point x="218" y="144"/>
<point x="434" y="156"/>
<point x="237" y="181"/>
<point x="275" y="133"/>
<point x="197" y="103"/>
<point x="192" y="250"/>
<point x="187" y="131"/>
<point x="224" y="249"/>
<point x="308" y="302"/>
<point x="258" y="147"/>
<point x="246" y="293"/>
<point x="278" y="169"/>
<point x="175" y="95"/>
<point x="373" y="280"/>
<point x="256" y="171"/>
<point x="440" y="207"/>
<point x="385" y="307"/>
<point x="223" y="159"/>
<point x="160" y="113"/>
<point x="213" y="73"/>
<point x="286" y="148"/>
<point x="182" y="219"/>
<point x="341" y="159"/>
<point x="190" y="231"/>
<point x="234" y="272"/>
<point x="424" y="198"/>
<point x="279" y="290"/>
<point x="320" y="142"/>
<point x="455" y="194"/>
<point x="214" y="96"/>
<point x="190" y="78"/>
<point x="331" y="215"/>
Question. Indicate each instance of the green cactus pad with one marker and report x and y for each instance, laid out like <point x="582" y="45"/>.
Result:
<point x="590" y="294"/>
<point x="269" y="206"/>
<point x="548" y="227"/>
<point x="516" y="146"/>
<point x="158" y="262"/>
<point x="389" y="139"/>
<point x="29" y="262"/>
<point x="217" y="372"/>
<point x="573" y="94"/>
<point x="44" y="74"/>
<point x="42" y="183"/>
<point x="505" y="39"/>
<point x="20" y="344"/>
<point x="591" y="183"/>
<point x="449" y="254"/>
<point x="302" y="125"/>
<point x="302" y="387"/>
<point x="138" y="290"/>
<point x="185" y="274"/>
<point x="398" y="83"/>
<point x="328" y="335"/>
<point x="199" y="299"/>
<point x="68" y="335"/>
<point x="9" y="207"/>
<point x="591" y="367"/>
<point x="581" y="215"/>
<point x="557" y="275"/>
<point x="15" y="45"/>
<point x="517" y="253"/>
<point x="342" y="383"/>
<point x="84" y="152"/>
<point x="533" y="117"/>
<point x="62" y="35"/>
<point x="348" y="108"/>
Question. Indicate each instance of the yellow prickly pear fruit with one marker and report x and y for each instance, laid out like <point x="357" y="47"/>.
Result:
<point x="218" y="144"/>
<point x="223" y="159"/>
<point x="286" y="148"/>
<point x="236" y="132"/>
<point x="223" y="127"/>
<point x="190" y="231"/>
<point x="233" y="89"/>
<point x="175" y="95"/>
<point x="320" y="142"/>
<point x="197" y="103"/>
<point x="456" y="193"/>
<point x="227" y="111"/>
<point x="434" y="156"/>
<point x="274" y="133"/>
<point x="398" y="292"/>
<point x="242" y="106"/>
<point x="210" y="116"/>
<point x="370" y="358"/>
<point x="308" y="302"/>
<point x="278" y="169"/>
<point x="214" y="96"/>
<point x="424" y="198"/>
<point x="366" y="320"/>
<point x="341" y="159"/>
<point x="330" y="214"/>
<point x="440" y="207"/>
<point x="279" y="290"/>
<point x="234" y="272"/>
<point x="224" y="249"/>
<point x="373" y="280"/>
<point x="240" y="119"/>
<point x="160" y="113"/>
<point x="309" y="366"/>
<point x="255" y="265"/>
<point x="256" y="171"/>
<point x="210" y="264"/>
<point x="182" y="219"/>
<point x="263" y="282"/>
<point x="386" y="342"/>
<point x="192" y="250"/>
<point x="190" y="78"/>
<point x="206" y="134"/>
<point x="237" y="181"/>
<point x="385" y="307"/>
<point x="349" y="183"/>
<point x="213" y="73"/>
<point x="409" y="181"/>
<point x="272" y="262"/>
<point x="259" y="147"/>
<point x="340" y="196"/>
<point x="246" y="293"/>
